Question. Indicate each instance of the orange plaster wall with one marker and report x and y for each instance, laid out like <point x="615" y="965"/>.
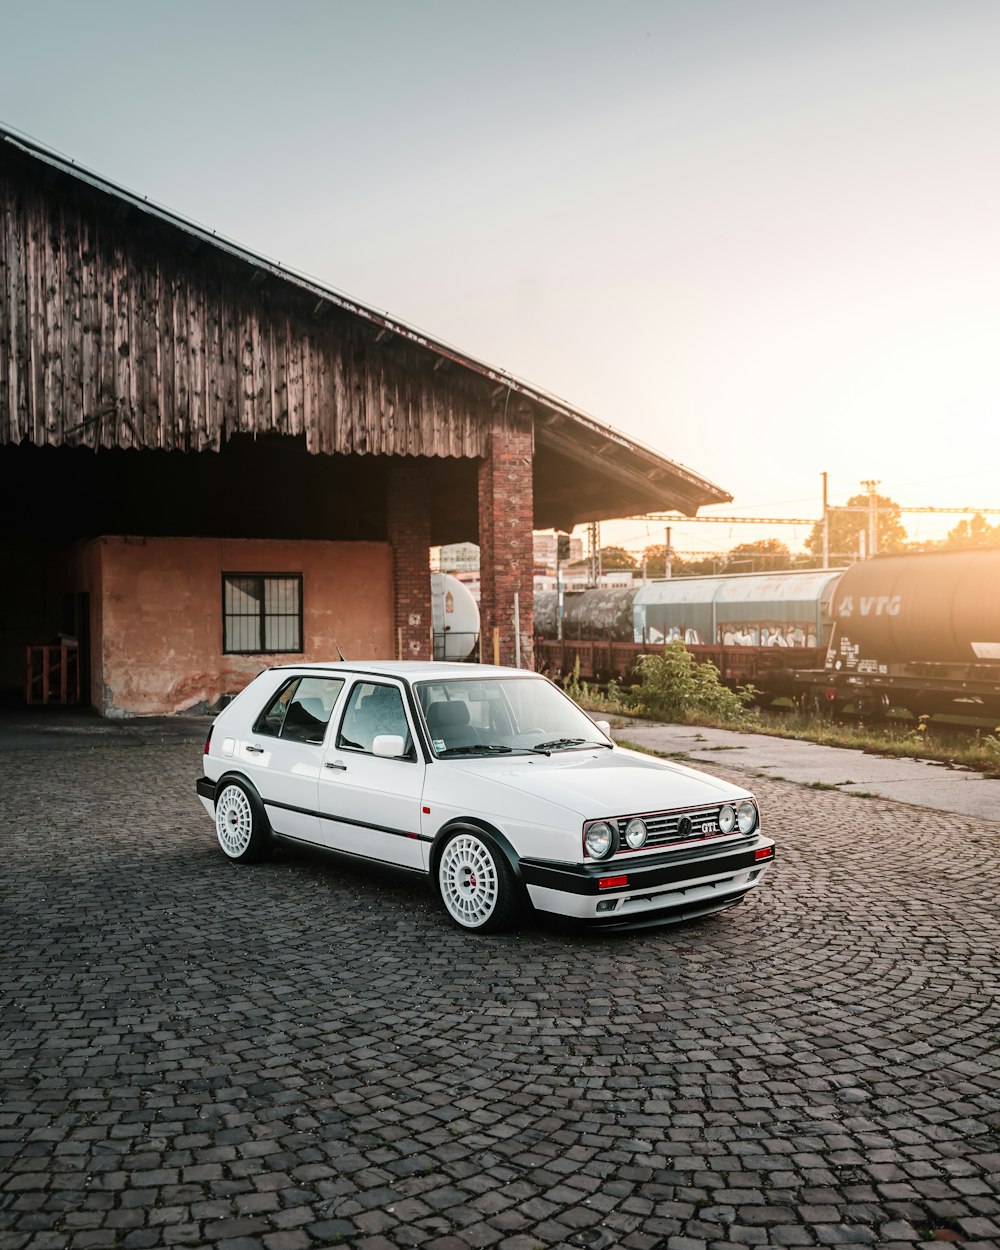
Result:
<point x="160" y="609"/>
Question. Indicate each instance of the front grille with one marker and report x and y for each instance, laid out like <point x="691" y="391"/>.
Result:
<point x="663" y="828"/>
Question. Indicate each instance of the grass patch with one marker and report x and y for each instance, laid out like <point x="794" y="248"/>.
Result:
<point x="679" y="692"/>
<point x="979" y="751"/>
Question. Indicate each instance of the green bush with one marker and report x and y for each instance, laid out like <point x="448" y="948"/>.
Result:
<point x="612" y="702"/>
<point x="673" y="686"/>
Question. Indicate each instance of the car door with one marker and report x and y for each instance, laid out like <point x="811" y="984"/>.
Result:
<point x="283" y="753"/>
<point x="370" y="805"/>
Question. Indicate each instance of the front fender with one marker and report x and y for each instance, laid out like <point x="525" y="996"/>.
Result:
<point x="474" y="824"/>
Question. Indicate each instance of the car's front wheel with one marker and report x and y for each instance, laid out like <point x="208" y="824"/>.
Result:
<point x="476" y="884"/>
<point x="240" y="823"/>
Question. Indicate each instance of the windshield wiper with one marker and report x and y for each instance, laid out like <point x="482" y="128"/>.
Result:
<point x="476" y="748"/>
<point x="482" y="748"/>
<point x="556" y="743"/>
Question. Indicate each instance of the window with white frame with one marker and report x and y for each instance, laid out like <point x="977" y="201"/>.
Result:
<point x="261" y="613"/>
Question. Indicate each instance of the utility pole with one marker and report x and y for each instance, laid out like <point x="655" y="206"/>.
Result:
<point x="871" y="486"/>
<point x="826" y="524"/>
<point x="668" y="566"/>
<point x="595" y="552"/>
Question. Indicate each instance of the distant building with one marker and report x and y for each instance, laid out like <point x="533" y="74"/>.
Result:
<point x="459" y="558"/>
<point x="464" y="557"/>
<point x="546" y="545"/>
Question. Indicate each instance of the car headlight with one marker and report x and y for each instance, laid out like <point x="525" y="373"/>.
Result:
<point x="746" y="814"/>
<point x="635" y="833"/>
<point x="600" y="839"/>
<point x="727" y="819"/>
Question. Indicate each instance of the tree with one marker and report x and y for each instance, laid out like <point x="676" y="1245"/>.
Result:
<point x="974" y="533"/>
<point x="656" y="561"/>
<point x="617" y="558"/>
<point x="847" y="523"/>
<point x="762" y="556"/>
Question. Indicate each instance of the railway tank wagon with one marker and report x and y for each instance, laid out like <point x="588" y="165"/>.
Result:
<point x="454" y="617"/>
<point x="919" y="630"/>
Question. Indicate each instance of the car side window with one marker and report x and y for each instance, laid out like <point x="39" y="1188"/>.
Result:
<point x="301" y="710"/>
<point x="372" y="710"/>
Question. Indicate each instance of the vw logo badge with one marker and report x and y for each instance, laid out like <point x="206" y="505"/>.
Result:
<point x="684" y="826"/>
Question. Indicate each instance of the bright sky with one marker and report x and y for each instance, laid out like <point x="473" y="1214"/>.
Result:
<point x="759" y="235"/>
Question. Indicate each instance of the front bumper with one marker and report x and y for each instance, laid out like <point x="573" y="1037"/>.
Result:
<point x="673" y="886"/>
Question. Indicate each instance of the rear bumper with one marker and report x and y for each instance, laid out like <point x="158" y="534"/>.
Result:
<point x="206" y="792"/>
<point x="670" y="888"/>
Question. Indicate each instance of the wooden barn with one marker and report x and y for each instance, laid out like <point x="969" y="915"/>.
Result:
<point x="210" y="464"/>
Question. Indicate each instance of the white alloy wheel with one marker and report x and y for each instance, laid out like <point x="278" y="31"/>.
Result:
<point x="470" y="884"/>
<point x="234" y="821"/>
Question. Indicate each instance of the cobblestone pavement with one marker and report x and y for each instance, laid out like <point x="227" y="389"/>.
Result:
<point x="299" y="1054"/>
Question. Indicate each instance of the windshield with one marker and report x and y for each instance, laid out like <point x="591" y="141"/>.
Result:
<point x="503" y="715"/>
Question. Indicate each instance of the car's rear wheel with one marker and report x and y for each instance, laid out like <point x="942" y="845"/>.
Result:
<point x="476" y="884"/>
<point x="240" y="823"/>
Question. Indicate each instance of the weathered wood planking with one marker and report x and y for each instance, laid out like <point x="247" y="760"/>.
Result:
<point x="118" y="331"/>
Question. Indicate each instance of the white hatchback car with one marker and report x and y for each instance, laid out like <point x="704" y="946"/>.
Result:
<point x="488" y="781"/>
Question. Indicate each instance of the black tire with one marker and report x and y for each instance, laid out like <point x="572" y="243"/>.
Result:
<point x="476" y="884"/>
<point x="241" y="825"/>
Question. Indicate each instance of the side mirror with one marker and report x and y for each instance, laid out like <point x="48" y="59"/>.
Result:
<point x="604" y="726"/>
<point x="390" y="746"/>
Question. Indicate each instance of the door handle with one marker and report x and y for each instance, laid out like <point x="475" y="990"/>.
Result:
<point x="335" y="764"/>
<point x="256" y="750"/>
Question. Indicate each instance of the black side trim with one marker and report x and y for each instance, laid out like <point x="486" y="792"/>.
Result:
<point x="346" y="820"/>
<point x="583" y="879"/>
<point x="206" y="788"/>
<point x="338" y="853"/>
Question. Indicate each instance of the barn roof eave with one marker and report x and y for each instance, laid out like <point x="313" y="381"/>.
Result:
<point x="634" y="477"/>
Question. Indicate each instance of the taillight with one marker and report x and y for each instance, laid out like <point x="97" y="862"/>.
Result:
<point x="208" y="742"/>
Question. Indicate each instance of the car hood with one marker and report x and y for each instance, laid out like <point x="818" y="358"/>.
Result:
<point x="610" y="783"/>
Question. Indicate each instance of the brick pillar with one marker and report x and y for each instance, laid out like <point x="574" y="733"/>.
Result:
<point x="409" y="526"/>
<point x="506" y="559"/>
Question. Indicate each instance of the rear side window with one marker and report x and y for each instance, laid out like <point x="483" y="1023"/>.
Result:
<point x="373" y="710"/>
<point x="301" y="710"/>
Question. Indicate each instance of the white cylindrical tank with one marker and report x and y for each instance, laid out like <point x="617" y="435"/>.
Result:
<point x="455" y="616"/>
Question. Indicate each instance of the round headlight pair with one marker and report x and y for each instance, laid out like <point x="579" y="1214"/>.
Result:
<point x="745" y="815"/>
<point x="600" y="839"/>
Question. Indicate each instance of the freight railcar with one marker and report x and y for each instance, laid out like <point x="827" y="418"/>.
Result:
<point x="919" y="631"/>
<point x="755" y="627"/>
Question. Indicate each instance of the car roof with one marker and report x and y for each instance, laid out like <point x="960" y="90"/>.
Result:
<point x="411" y="670"/>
